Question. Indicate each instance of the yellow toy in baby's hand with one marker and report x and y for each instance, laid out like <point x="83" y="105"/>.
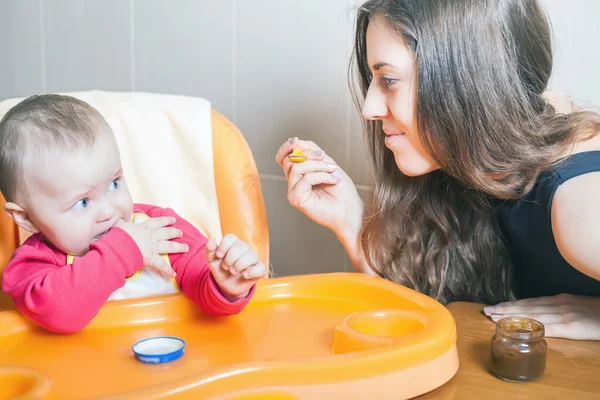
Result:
<point x="144" y="282"/>
<point x="297" y="156"/>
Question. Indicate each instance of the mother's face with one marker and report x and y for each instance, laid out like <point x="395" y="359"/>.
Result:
<point x="391" y="98"/>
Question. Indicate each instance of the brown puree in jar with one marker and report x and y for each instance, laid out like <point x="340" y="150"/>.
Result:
<point x="518" y="349"/>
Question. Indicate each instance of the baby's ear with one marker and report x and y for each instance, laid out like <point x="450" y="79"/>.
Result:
<point x="20" y="216"/>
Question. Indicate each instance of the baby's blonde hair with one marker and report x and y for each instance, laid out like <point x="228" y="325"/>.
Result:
<point x="48" y="121"/>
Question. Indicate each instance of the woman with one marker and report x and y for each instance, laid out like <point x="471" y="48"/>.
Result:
<point x="483" y="191"/>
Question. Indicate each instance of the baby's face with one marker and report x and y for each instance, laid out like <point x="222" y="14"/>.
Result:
<point x="75" y="197"/>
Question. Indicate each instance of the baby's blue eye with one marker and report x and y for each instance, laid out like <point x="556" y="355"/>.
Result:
<point x="114" y="185"/>
<point x="81" y="204"/>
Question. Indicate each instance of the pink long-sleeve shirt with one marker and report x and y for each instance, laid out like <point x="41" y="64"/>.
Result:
<point x="65" y="297"/>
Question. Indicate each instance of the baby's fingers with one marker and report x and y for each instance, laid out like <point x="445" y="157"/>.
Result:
<point x="159" y="222"/>
<point x="235" y="253"/>
<point x="159" y="264"/>
<point x="228" y="241"/>
<point x="246" y="260"/>
<point x="167" y="233"/>
<point x="255" y="272"/>
<point x="211" y="250"/>
<point x="168" y="247"/>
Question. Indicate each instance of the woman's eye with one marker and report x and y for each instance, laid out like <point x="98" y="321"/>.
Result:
<point x="81" y="204"/>
<point x="114" y="185"/>
<point x="388" y="81"/>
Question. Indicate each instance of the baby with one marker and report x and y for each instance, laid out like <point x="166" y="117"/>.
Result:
<point x="61" y="176"/>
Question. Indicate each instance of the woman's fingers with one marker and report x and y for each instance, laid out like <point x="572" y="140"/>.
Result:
<point x="307" y="167"/>
<point x="302" y="191"/>
<point x="285" y="149"/>
<point x="562" y="331"/>
<point x="510" y="310"/>
<point x="544" y="318"/>
<point x="314" y="155"/>
<point x="309" y="148"/>
<point x="540" y="301"/>
<point x="553" y="301"/>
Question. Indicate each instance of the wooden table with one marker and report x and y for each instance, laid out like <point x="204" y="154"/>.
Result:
<point x="572" y="368"/>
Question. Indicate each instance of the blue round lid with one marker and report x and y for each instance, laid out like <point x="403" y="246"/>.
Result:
<point x="159" y="349"/>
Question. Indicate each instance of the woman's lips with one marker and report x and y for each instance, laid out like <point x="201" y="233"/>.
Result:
<point x="391" y="137"/>
<point x="390" y="132"/>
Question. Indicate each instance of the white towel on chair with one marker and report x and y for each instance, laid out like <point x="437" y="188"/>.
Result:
<point x="166" y="150"/>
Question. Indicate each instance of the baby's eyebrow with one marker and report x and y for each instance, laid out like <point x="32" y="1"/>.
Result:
<point x="79" y="195"/>
<point x="116" y="173"/>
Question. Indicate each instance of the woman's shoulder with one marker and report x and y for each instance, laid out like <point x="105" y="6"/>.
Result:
<point x="575" y="211"/>
<point x="582" y="159"/>
<point x="578" y="174"/>
<point x="576" y="181"/>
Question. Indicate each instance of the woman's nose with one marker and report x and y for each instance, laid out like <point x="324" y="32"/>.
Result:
<point x="375" y="105"/>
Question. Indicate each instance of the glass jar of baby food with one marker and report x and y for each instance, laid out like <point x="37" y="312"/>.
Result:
<point x="518" y="349"/>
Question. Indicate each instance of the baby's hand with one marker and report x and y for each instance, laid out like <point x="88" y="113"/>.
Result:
<point x="153" y="238"/>
<point x="234" y="265"/>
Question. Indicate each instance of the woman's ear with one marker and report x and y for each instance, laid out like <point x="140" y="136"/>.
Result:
<point x="20" y="216"/>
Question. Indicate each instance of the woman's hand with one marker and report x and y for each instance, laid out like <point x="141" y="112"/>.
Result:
<point x="325" y="193"/>
<point x="320" y="188"/>
<point x="564" y="316"/>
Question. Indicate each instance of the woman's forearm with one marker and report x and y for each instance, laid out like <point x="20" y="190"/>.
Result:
<point x="349" y="236"/>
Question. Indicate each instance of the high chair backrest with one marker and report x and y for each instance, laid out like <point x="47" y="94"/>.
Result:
<point x="177" y="152"/>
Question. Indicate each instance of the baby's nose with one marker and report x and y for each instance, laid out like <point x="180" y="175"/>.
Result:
<point x="106" y="212"/>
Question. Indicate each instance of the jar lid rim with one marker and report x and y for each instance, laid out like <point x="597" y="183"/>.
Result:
<point x="522" y="328"/>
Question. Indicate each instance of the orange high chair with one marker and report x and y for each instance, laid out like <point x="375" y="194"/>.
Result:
<point x="326" y="336"/>
<point x="237" y="184"/>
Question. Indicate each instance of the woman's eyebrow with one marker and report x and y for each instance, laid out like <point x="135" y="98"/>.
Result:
<point x="380" y="65"/>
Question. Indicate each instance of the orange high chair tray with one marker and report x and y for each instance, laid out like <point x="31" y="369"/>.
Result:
<point x="340" y="335"/>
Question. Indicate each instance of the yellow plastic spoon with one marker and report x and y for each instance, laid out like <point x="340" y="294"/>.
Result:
<point x="297" y="156"/>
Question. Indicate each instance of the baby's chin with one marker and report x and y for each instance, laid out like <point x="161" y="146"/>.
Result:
<point x="79" y="251"/>
<point x="65" y="248"/>
<point x="74" y="252"/>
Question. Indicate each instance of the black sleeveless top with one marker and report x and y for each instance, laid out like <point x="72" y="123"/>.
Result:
<point x="539" y="268"/>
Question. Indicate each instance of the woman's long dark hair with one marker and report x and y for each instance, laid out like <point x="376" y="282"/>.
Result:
<point x="482" y="68"/>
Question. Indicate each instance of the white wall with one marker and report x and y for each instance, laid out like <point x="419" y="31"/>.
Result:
<point x="277" y="68"/>
<point x="577" y="49"/>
